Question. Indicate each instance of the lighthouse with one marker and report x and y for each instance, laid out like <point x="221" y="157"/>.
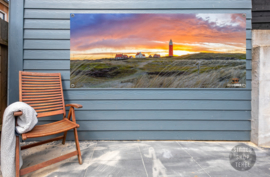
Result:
<point x="170" y="48"/>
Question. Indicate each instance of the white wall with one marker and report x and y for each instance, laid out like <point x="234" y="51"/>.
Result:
<point x="260" y="124"/>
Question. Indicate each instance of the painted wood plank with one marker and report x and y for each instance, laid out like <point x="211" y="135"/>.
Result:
<point x="47" y="44"/>
<point x="248" y="24"/>
<point x="46" y="34"/>
<point x="65" y="54"/>
<point x="261" y="20"/>
<point x="65" y="64"/>
<point x="157" y="115"/>
<point x="157" y="135"/>
<point x="47" y="54"/>
<point x="15" y="52"/>
<point x="164" y="105"/>
<point x="261" y="26"/>
<point x="248" y="84"/>
<point x="248" y="34"/>
<point x="138" y="4"/>
<point x="65" y="24"/>
<point x="46" y="24"/>
<point x="158" y="125"/>
<point x="164" y="135"/>
<point x="65" y="34"/>
<point x="65" y="44"/>
<point x="76" y="94"/>
<point x="47" y="64"/>
<point x="260" y="14"/>
<point x="248" y="44"/>
<point x="248" y="54"/>
<point x="66" y="73"/>
<point x="260" y="5"/>
<point x="65" y="14"/>
<point x="248" y="64"/>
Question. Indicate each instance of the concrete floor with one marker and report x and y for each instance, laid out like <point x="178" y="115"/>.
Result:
<point x="145" y="158"/>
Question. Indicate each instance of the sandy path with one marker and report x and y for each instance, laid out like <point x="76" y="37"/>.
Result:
<point x="142" y="64"/>
<point x="117" y="83"/>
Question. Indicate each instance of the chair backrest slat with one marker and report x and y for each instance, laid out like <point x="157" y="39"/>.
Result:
<point x="42" y="91"/>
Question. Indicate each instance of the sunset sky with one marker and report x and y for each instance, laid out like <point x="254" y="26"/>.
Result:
<point x="96" y="36"/>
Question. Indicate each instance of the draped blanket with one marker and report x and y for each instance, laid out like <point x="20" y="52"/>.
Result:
<point x="26" y="123"/>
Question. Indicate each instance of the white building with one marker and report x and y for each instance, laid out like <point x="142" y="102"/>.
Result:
<point x="120" y="56"/>
<point x="140" y="55"/>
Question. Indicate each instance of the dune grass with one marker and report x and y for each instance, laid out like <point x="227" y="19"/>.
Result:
<point x="166" y="72"/>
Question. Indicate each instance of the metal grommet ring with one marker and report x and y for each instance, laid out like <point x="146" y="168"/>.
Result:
<point x="72" y="15"/>
<point x="72" y="85"/>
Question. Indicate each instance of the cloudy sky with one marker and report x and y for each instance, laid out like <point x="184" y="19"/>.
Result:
<point x="95" y="36"/>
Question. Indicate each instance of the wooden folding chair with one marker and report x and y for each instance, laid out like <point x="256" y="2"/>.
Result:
<point x="43" y="91"/>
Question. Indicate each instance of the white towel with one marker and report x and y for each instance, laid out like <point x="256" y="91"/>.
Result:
<point x="26" y="122"/>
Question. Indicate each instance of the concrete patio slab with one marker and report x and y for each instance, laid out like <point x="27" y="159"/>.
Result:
<point x="117" y="151"/>
<point x="213" y="158"/>
<point x="145" y="159"/>
<point x="166" y="151"/>
<point x="132" y="168"/>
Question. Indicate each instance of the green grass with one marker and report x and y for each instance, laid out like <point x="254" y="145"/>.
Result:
<point x="90" y="66"/>
<point x="124" y="70"/>
<point x="210" y="68"/>
<point x="154" y="67"/>
<point x="119" y="71"/>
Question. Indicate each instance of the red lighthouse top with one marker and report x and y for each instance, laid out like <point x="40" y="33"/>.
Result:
<point x="170" y="48"/>
<point x="170" y="42"/>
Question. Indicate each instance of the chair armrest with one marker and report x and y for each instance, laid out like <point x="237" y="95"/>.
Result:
<point x="71" y="113"/>
<point x="18" y="113"/>
<point x="74" y="105"/>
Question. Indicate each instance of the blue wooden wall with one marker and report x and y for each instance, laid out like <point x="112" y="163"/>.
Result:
<point x="40" y="42"/>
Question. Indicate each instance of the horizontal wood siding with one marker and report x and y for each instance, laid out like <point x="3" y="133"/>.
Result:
<point x="116" y="115"/>
<point x="260" y="14"/>
<point x="132" y="114"/>
<point x="137" y="4"/>
<point x="159" y="135"/>
<point x="162" y="125"/>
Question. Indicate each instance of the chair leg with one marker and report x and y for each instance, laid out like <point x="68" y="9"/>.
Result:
<point x="17" y="155"/>
<point x="64" y="138"/>
<point x="77" y="145"/>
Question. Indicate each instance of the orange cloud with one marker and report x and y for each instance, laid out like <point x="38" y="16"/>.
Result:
<point x="108" y="33"/>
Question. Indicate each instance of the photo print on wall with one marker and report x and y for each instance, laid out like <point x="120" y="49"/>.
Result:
<point x="157" y="50"/>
